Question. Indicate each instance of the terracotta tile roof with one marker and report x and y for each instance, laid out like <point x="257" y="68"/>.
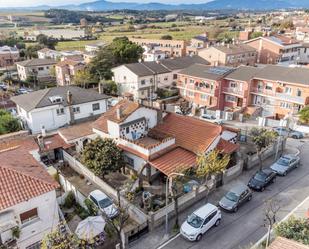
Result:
<point x="283" y="243"/>
<point x="76" y="131"/>
<point x="21" y="176"/>
<point x="227" y="147"/>
<point x="173" y="161"/>
<point x="54" y="142"/>
<point x="126" y="107"/>
<point x="191" y="133"/>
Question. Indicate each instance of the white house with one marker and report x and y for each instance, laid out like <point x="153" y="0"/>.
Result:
<point x="144" y="78"/>
<point x="28" y="201"/>
<point x="94" y="48"/>
<point x="155" y="142"/>
<point x="59" y="106"/>
<point x="153" y="53"/>
<point x="36" y="68"/>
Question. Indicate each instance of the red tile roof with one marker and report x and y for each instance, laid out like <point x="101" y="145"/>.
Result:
<point x="191" y="133"/>
<point x="227" y="147"/>
<point x="283" y="243"/>
<point x="126" y="107"/>
<point x="174" y="161"/>
<point x="76" y="131"/>
<point x="54" y="142"/>
<point x="21" y="176"/>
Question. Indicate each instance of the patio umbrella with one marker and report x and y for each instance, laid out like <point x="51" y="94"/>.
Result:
<point x="90" y="227"/>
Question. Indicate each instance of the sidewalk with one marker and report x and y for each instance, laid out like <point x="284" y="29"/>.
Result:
<point x="157" y="237"/>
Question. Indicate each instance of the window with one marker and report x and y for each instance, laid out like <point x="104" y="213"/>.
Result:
<point x="143" y="82"/>
<point x="190" y="94"/>
<point x="127" y="130"/>
<point x="233" y="84"/>
<point x="151" y="80"/>
<point x="40" y="68"/>
<point x="128" y="160"/>
<point x="96" y="106"/>
<point x="204" y="97"/>
<point x="76" y="109"/>
<point x="230" y="98"/>
<point x="166" y="78"/>
<point x="191" y="80"/>
<point x="174" y="76"/>
<point x="288" y="90"/>
<point x="28" y="216"/>
<point x="60" y="111"/>
<point x="124" y="77"/>
<point x="285" y="105"/>
<point x="269" y="86"/>
<point x="298" y="93"/>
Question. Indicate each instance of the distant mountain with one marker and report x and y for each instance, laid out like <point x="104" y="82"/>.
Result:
<point x="103" y="5"/>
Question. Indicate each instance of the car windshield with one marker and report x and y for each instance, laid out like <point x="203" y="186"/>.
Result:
<point x="195" y="220"/>
<point x="283" y="161"/>
<point x="105" y="203"/>
<point x="231" y="196"/>
<point x="260" y="177"/>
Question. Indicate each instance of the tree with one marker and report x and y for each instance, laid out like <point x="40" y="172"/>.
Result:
<point x="102" y="156"/>
<point x="166" y="37"/>
<point x="83" y="78"/>
<point x="272" y="207"/>
<point x="212" y="163"/>
<point x="118" y="223"/>
<point x="120" y="51"/>
<point x="304" y="115"/>
<point x="58" y="240"/>
<point x="294" y="228"/>
<point x="110" y="87"/>
<point x="262" y="138"/>
<point x="8" y="123"/>
<point x="46" y="41"/>
<point x="32" y="51"/>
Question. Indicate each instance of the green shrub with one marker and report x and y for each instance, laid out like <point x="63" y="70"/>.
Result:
<point x="92" y="208"/>
<point x="69" y="200"/>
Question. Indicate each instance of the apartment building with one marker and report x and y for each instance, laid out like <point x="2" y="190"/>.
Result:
<point x="229" y="55"/>
<point x="8" y="56"/>
<point x="171" y="48"/>
<point x="40" y="69"/>
<point x="201" y="85"/>
<point x="275" y="49"/>
<point x="197" y="43"/>
<point x="28" y="201"/>
<point x="279" y="90"/>
<point x="143" y="79"/>
<point x="235" y="90"/>
<point x="56" y="107"/>
<point x="66" y="70"/>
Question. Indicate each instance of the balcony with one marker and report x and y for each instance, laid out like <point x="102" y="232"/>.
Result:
<point x="263" y="91"/>
<point x="234" y="90"/>
<point x="281" y="96"/>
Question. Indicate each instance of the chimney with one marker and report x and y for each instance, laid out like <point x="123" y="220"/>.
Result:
<point x="69" y="98"/>
<point x="118" y="113"/>
<point x="70" y="105"/>
<point x="40" y="141"/>
<point x="101" y="89"/>
<point x="43" y="131"/>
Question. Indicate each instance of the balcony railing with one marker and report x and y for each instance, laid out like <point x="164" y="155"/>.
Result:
<point x="233" y="90"/>
<point x="283" y="96"/>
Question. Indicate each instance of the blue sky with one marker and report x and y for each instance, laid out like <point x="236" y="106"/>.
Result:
<point x="22" y="3"/>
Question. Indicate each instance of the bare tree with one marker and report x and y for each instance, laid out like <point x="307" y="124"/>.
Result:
<point x="272" y="207"/>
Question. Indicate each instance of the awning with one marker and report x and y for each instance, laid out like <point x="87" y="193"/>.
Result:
<point x="176" y="160"/>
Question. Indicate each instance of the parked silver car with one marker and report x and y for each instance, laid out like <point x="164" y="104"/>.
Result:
<point x="285" y="164"/>
<point x="234" y="198"/>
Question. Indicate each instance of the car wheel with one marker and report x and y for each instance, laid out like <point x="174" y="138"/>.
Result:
<point x="285" y="173"/>
<point x="273" y="180"/>
<point x="235" y="209"/>
<point x="250" y="198"/>
<point x="296" y="165"/>
<point x="262" y="189"/>
<point x="198" y="238"/>
<point x="218" y="222"/>
<point x="295" y="137"/>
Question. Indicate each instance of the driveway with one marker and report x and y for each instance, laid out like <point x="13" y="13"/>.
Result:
<point x="246" y="227"/>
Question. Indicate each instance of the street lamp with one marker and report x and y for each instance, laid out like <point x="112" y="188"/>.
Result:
<point x="166" y="198"/>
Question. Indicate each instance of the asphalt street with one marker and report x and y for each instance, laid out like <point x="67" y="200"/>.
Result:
<point x="238" y="230"/>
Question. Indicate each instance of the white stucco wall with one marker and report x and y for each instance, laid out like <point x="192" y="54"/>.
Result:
<point x="48" y="117"/>
<point x="36" y="229"/>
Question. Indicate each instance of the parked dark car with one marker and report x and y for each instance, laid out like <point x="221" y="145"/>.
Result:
<point x="234" y="198"/>
<point x="261" y="179"/>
